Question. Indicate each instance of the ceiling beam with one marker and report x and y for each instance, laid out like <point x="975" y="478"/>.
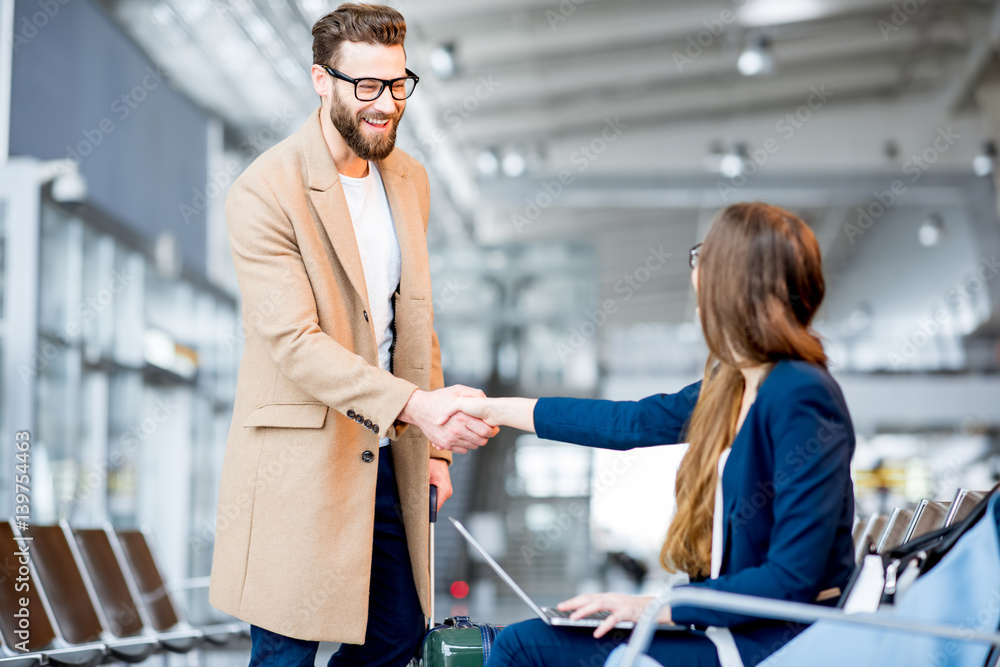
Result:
<point x="667" y="104"/>
<point x="549" y="85"/>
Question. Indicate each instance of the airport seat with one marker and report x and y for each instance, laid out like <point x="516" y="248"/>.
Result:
<point x="964" y="501"/>
<point x="882" y="533"/>
<point x="45" y="642"/>
<point x="119" y="593"/>
<point x="858" y="530"/>
<point x="870" y="535"/>
<point x="928" y="516"/>
<point x="164" y="614"/>
<point x="92" y="598"/>
<point x="115" y="596"/>
<point x="73" y="599"/>
<point x="895" y="529"/>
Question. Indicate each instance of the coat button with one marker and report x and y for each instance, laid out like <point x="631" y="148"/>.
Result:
<point x="359" y="418"/>
<point x="366" y="316"/>
<point x="368" y="423"/>
<point x="367" y="457"/>
<point x="350" y="414"/>
<point x="375" y="429"/>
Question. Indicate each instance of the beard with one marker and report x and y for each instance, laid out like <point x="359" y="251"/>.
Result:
<point x="374" y="147"/>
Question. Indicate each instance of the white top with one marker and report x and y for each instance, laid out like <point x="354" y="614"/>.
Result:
<point x="725" y="646"/>
<point x="717" y="518"/>
<point x="380" y="256"/>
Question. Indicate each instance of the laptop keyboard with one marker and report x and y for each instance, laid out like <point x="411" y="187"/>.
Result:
<point x="559" y="613"/>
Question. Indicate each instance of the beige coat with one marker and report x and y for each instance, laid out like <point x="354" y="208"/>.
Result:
<point x="296" y="502"/>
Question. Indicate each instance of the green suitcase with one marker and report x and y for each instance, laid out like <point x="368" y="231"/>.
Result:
<point x="459" y="643"/>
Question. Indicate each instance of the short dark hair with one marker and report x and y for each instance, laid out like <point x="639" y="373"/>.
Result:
<point x="368" y="24"/>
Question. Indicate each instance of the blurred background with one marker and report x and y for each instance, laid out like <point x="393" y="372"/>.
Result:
<point x="577" y="149"/>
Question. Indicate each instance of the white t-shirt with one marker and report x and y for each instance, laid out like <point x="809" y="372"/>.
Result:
<point x="380" y="255"/>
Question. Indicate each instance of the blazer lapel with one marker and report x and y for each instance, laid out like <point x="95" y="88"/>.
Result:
<point x="327" y="196"/>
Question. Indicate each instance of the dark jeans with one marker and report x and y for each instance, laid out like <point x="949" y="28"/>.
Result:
<point x="533" y="643"/>
<point x="395" y="620"/>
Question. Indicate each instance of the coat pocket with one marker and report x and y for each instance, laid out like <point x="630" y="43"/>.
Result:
<point x="288" y="415"/>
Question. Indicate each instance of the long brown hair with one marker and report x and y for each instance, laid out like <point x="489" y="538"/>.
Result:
<point x="760" y="281"/>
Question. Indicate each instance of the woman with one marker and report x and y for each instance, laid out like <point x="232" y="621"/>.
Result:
<point x="766" y="419"/>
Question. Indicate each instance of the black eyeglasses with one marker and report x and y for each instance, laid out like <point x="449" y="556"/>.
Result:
<point x="369" y="89"/>
<point x="693" y="256"/>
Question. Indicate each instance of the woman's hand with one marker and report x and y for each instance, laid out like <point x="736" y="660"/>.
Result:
<point x="480" y="407"/>
<point x="622" y="608"/>
<point x="508" y="411"/>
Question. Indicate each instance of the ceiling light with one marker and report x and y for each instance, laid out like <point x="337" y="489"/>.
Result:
<point x="751" y="62"/>
<point x="776" y="12"/>
<point x="983" y="163"/>
<point x="728" y="162"/>
<point x="442" y="61"/>
<point x="730" y="165"/>
<point x="756" y="57"/>
<point x="513" y="164"/>
<point x="930" y="231"/>
<point x="487" y="163"/>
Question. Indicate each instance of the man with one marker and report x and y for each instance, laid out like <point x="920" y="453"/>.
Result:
<point x="322" y="524"/>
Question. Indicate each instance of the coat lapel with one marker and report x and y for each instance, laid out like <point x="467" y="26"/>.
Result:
<point x="405" y="217"/>
<point x="327" y="197"/>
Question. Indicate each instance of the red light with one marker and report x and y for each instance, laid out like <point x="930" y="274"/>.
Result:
<point x="459" y="589"/>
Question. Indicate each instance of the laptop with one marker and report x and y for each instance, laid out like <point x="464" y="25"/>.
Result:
<point x="549" y="615"/>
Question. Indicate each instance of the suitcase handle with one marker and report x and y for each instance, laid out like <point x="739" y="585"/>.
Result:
<point x="434" y="503"/>
<point x="430" y="550"/>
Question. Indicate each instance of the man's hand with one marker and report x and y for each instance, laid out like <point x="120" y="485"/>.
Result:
<point x="441" y="478"/>
<point x="457" y="432"/>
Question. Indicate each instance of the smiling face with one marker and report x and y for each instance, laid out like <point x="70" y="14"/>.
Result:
<point x="368" y="128"/>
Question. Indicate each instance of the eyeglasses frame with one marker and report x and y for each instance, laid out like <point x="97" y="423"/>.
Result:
<point x="337" y="74"/>
<point x="693" y="256"/>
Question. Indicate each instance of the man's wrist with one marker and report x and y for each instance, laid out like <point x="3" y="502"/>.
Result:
<point x="413" y="408"/>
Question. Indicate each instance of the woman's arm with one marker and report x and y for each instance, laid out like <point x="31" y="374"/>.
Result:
<point x="656" y="420"/>
<point x="517" y="413"/>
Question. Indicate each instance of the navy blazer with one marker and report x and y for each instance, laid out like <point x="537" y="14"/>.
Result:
<point x="787" y="489"/>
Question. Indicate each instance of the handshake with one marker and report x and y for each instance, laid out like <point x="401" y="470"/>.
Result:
<point x="455" y="418"/>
